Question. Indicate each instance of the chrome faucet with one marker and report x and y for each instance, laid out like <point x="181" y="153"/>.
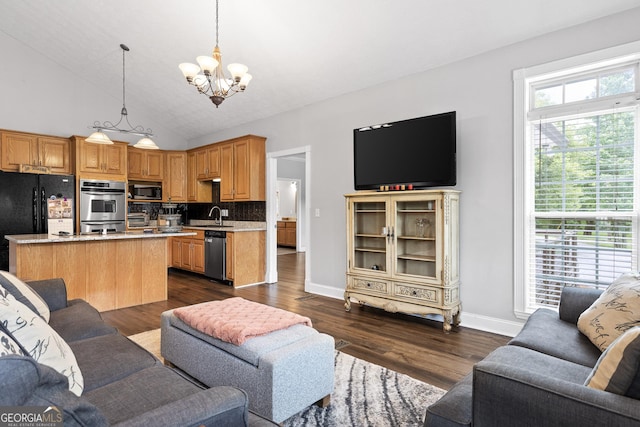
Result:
<point x="219" y="214"/>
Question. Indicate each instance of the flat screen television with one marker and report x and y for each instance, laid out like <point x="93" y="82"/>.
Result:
<point x="420" y="151"/>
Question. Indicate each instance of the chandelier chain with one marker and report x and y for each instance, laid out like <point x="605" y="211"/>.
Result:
<point x="216" y="22"/>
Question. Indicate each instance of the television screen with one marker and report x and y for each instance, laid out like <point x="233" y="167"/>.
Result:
<point x="420" y="151"/>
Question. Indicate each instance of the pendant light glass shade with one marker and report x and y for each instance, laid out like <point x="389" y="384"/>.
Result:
<point x="146" y="143"/>
<point x="99" y="137"/>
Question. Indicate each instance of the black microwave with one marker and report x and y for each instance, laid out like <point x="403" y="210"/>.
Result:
<point x="145" y="191"/>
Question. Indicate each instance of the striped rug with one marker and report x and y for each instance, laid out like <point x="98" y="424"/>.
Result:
<point x="368" y="395"/>
<point x="365" y="394"/>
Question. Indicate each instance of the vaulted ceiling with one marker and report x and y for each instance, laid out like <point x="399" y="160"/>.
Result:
<point x="298" y="51"/>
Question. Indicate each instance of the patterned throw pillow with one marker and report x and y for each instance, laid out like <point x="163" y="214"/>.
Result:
<point x="614" y="312"/>
<point x="23" y="293"/>
<point x="39" y="339"/>
<point x="8" y="345"/>
<point x="617" y="369"/>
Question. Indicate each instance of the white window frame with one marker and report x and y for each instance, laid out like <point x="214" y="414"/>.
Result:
<point x="522" y="81"/>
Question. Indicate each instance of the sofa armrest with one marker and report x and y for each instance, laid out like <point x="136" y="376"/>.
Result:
<point x="508" y="395"/>
<point x="573" y="301"/>
<point x="53" y="291"/>
<point x="217" y="406"/>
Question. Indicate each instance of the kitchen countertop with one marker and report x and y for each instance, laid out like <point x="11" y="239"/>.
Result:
<point x="45" y="238"/>
<point x="230" y="226"/>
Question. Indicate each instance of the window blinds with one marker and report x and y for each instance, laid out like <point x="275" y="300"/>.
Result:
<point x="582" y="222"/>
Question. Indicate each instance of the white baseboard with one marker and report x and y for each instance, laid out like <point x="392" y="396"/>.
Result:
<point x="468" y="320"/>
<point x="490" y="324"/>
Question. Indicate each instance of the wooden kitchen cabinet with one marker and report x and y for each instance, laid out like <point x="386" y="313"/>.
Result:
<point x="146" y="165"/>
<point x="242" y="169"/>
<point x="175" y="184"/>
<point x="101" y="161"/>
<point x="187" y="253"/>
<point x="286" y="233"/>
<point x="207" y="162"/>
<point x="197" y="191"/>
<point x="246" y="257"/>
<point x="18" y="148"/>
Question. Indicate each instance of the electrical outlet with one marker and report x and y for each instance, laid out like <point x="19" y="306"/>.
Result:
<point x="225" y="212"/>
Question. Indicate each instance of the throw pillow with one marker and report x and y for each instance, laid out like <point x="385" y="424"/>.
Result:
<point x="617" y="369"/>
<point x="25" y="294"/>
<point x="8" y="345"/>
<point x="39" y="339"/>
<point x="614" y="312"/>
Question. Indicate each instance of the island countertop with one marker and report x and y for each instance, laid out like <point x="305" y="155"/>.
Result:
<point x="22" y="239"/>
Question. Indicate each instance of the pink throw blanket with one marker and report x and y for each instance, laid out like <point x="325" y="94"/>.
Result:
<point x="235" y="320"/>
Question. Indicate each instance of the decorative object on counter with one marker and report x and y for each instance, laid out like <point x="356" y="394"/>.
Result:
<point x="99" y="137"/>
<point x="212" y="82"/>
<point x="423" y="227"/>
<point x="169" y="221"/>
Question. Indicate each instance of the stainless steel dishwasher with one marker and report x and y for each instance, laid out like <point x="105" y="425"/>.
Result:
<point x="215" y="254"/>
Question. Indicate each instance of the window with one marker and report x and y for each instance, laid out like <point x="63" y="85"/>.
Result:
<point x="576" y="190"/>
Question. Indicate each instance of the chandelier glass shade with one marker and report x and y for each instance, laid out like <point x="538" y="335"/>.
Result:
<point x="208" y="76"/>
<point x="100" y="137"/>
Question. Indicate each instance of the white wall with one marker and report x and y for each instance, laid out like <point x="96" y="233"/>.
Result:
<point x="37" y="95"/>
<point x="480" y="90"/>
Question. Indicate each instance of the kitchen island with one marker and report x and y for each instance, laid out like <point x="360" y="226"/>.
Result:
<point x="109" y="271"/>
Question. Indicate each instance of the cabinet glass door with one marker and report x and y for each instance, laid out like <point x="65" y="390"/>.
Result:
<point x="415" y="230"/>
<point x="370" y="240"/>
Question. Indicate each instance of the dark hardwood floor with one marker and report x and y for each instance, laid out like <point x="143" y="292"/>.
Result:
<point x="408" y="344"/>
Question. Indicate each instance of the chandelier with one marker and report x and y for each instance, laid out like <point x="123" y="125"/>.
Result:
<point x="212" y="82"/>
<point x="99" y="136"/>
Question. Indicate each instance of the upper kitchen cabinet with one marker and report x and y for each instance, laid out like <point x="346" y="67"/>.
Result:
<point x="145" y="165"/>
<point x="27" y="149"/>
<point x="175" y="188"/>
<point x="197" y="191"/>
<point x="101" y="161"/>
<point x="242" y="169"/>
<point x="207" y="162"/>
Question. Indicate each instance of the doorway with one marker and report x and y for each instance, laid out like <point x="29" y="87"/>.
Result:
<point x="286" y="168"/>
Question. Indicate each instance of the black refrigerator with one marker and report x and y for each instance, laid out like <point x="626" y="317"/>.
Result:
<point x="23" y="204"/>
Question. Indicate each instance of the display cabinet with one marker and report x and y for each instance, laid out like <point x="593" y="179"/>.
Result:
<point x="403" y="252"/>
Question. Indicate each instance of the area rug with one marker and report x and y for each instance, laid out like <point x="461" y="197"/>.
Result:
<point x="365" y="394"/>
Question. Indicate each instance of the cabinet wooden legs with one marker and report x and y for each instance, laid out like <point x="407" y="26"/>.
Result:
<point x="451" y="319"/>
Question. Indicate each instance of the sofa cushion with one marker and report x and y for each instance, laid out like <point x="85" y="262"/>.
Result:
<point x="546" y="333"/>
<point x="454" y="408"/>
<point x="618" y="369"/>
<point x="39" y="340"/>
<point x="25" y="382"/>
<point x="25" y="294"/>
<point x="152" y="388"/>
<point x="79" y="320"/>
<point x="109" y="358"/>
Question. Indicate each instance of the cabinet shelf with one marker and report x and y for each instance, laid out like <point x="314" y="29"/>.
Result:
<point x="414" y="257"/>
<point x="415" y="211"/>
<point x="370" y="249"/>
<point x="429" y="239"/>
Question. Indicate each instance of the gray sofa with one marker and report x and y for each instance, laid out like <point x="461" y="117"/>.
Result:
<point x="537" y="379"/>
<point x="124" y="384"/>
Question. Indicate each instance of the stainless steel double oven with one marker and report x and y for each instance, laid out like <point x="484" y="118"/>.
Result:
<point x="103" y="206"/>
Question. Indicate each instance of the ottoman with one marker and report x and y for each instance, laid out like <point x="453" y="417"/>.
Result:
<point x="282" y="372"/>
